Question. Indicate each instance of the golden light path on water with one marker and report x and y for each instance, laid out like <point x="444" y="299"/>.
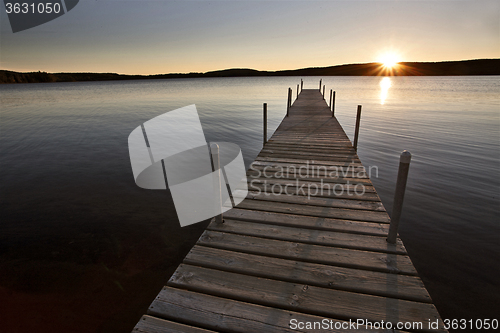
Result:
<point x="385" y="84"/>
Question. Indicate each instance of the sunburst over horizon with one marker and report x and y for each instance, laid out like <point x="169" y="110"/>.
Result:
<point x="389" y="60"/>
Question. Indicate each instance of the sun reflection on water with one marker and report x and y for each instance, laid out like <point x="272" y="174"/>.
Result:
<point x="385" y="84"/>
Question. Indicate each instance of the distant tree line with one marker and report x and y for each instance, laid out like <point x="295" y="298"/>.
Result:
<point x="15" y="77"/>
<point x="445" y="68"/>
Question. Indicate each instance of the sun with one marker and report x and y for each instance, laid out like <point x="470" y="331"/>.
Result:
<point x="389" y="60"/>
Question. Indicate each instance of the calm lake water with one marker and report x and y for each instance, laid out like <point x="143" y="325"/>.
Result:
<point x="78" y="237"/>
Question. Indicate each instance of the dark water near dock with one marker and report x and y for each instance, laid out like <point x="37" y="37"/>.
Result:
<point x="83" y="248"/>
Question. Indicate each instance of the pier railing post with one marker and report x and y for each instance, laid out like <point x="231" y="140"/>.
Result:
<point x="301" y="85"/>
<point x="265" y="123"/>
<point x="404" y="167"/>
<point x="356" y="133"/>
<point x="333" y="104"/>
<point x="289" y="101"/>
<point x="320" y="84"/>
<point x="217" y="178"/>
<point x="331" y="90"/>
<point x="297" y="91"/>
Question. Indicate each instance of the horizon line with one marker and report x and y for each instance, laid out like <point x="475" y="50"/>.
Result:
<point x="256" y="70"/>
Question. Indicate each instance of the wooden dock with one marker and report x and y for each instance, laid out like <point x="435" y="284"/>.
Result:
<point x="284" y="260"/>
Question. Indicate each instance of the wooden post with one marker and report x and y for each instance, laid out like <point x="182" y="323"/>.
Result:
<point x="323" y="91"/>
<point x="333" y="104"/>
<point x="399" y="195"/>
<point x="289" y="101"/>
<point x="265" y="123"/>
<point x="301" y="84"/>
<point x="217" y="182"/>
<point x="331" y="90"/>
<point x="320" y="84"/>
<point x="297" y="91"/>
<point x="356" y="133"/>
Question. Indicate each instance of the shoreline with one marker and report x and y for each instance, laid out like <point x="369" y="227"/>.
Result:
<point x="445" y="68"/>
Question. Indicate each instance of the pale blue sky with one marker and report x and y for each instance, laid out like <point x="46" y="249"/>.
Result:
<point x="149" y="37"/>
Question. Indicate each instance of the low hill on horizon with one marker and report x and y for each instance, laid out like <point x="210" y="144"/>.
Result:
<point x="444" y="68"/>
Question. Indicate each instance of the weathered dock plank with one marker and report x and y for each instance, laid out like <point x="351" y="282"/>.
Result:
<point x="304" y="246"/>
<point x="309" y="222"/>
<point x="151" y="324"/>
<point x="323" y="302"/>
<point x="309" y="236"/>
<point x="328" y="255"/>
<point x="318" y="201"/>
<point x="326" y="276"/>
<point x="349" y="214"/>
<point x="228" y="315"/>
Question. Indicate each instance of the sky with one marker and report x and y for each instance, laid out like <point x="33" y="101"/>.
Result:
<point x="160" y="36"/>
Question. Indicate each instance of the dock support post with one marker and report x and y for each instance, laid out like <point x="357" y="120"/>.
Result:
<point x="289" y="101"/>
<point x="356" y="133"/>
<point x="320" y="84"/>
<point x="333" y="104"/>
<point x="331" y="91"/>
<point x="301" y="84"/>
<point x="217" y="181"/>
<point x="323" y="91"/>
<point x="404" y="167"/>
<point x="297" y="91"/>
<point x="265" y="123"/>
